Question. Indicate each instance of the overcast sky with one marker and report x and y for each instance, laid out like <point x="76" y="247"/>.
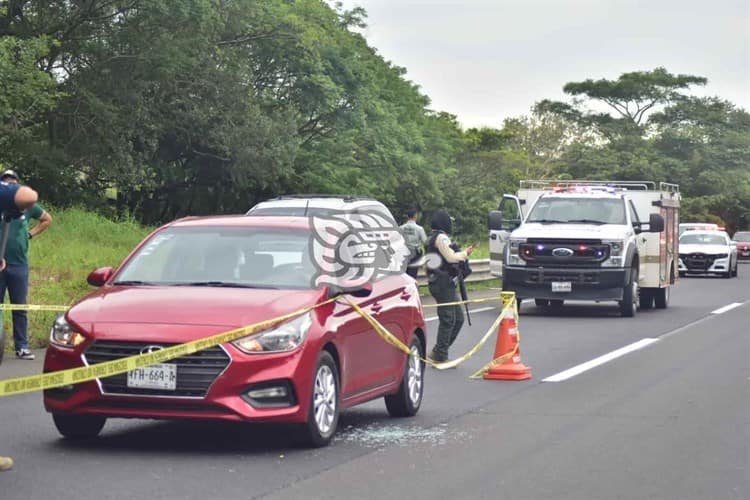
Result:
<point x="486" y="60"/>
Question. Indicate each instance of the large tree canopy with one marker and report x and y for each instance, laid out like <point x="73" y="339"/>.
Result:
<point x="164" y="108"/>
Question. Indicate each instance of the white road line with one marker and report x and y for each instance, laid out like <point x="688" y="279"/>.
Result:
<point x="726" y="308"/>
<point x="481" y="309"/>
<point x="576" y="370"/>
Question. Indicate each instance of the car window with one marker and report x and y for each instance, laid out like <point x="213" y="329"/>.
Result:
<point x="743" y="237"/>
<point x="702" y="239"/>
<point x="601" y="210"/>
<point x="252" y="257"/>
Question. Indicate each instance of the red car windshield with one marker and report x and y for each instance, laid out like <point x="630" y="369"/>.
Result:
<point x="743" y="237"/>
<point x="252" y="257"/>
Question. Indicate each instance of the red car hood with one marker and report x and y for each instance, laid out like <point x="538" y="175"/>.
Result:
<point x="204" y="306"/>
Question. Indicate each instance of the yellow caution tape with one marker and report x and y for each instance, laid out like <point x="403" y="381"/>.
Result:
<point x="33" y="307"/>
<point x="510" y="304"/>
<point x="84" y="374"/>
<point x="61" y="378"/>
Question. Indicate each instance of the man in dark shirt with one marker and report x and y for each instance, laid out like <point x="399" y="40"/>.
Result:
<point x="14" y="201"/>
<point x="15" y="275"/>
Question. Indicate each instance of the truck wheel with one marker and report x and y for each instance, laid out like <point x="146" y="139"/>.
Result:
<point x="646" y="299"/>
<point x="661" y="297"/>
<point x="629" y="302"/>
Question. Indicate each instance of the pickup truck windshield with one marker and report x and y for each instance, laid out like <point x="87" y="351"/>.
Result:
<point x="568" y="210"/>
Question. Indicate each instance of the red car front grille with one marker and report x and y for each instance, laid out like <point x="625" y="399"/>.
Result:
<point x="195" y="372"/>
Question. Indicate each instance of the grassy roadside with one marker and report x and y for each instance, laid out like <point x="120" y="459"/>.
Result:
<point x="60" y="259"/>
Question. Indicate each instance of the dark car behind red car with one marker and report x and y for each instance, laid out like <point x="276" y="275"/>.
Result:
<point x="201" y="276"/>
<point x="742" y="238"/>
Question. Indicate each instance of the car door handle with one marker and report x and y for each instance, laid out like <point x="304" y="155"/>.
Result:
<point x="376" y="307"/>
<point x="405" y="296"/>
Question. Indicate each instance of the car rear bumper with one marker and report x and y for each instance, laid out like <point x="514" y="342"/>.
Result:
<point x="585" y="283"/>
<point x="226" y="399"/>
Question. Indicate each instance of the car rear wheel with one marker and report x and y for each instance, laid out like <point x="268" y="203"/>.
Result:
<point x="408" y="399"/>
<point x="323" y="416"/>
<point x="736" y="269"/>
<point x="79" y="426"/>
<point x="661" y="297"/>
<point x="646" y="299"/>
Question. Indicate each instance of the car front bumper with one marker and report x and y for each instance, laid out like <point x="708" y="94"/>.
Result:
<point x="585" y="283"/>
<point x="707" y="266"/>
<point x="226" y="399"/>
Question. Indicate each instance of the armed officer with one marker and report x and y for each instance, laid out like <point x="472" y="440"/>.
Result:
<point x="442" y="277"/>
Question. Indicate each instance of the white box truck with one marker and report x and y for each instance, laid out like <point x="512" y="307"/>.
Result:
<point x="588" y="240"/>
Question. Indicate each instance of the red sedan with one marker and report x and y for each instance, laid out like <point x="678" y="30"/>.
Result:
<point x="742" y="239"/>
<point x="200" y="276"/>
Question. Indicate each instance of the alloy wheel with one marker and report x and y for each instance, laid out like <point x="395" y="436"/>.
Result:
<point x="415" y="375"/>
<point x="324" y="399"/>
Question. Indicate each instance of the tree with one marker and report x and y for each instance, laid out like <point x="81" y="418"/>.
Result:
<point x="631" y="98"/>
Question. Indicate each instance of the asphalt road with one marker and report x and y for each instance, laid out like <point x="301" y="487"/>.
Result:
<point x="669" y="421"/>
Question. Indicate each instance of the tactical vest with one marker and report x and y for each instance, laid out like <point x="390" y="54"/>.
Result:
<point x="445" y="266"/>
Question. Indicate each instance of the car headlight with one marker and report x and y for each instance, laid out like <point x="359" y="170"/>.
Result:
<point x="616" y="249"/>
<point x="514" y="258"/>
<point x="282" y="338"/>
<point x="63" y="335"/>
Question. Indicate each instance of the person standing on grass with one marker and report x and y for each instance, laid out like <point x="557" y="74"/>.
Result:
<point x="15" y="275"/>
<point x="415" y="238"/>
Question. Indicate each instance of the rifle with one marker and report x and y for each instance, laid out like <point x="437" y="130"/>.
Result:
<point x="462" y="270"/>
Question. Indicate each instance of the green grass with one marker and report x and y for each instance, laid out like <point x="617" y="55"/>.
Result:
<point x="60" y="259"/>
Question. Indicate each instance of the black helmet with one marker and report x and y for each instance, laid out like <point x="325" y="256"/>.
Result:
<point x="9" y="173"/>
<point x="441" y="221"/>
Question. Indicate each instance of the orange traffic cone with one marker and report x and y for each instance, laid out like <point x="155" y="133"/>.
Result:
<point x="507" y="341"/>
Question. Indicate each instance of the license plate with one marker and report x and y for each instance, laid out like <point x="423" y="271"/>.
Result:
<point x="561" y="286"/>
<point x="159" y="376"/>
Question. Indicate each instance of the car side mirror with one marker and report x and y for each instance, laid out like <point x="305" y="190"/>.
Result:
<point x="364" y="291"/>
<point x="655" y="223"/>
<point x="99" y="276"/>
<point x="495" y="220"/>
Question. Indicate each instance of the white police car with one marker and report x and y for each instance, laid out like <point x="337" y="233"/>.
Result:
<point x="707" y="252"/>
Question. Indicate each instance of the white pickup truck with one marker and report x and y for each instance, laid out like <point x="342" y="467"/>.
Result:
<point x="588" y="240"/>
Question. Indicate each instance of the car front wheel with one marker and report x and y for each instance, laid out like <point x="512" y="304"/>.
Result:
<point x="79" y="426"/>
<point x="323" y="416"/>
<point x="629" y="302"/>
<point x="408" y="399"/>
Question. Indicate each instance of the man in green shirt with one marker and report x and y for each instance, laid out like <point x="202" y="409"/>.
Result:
<point x="15" y="277"/>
